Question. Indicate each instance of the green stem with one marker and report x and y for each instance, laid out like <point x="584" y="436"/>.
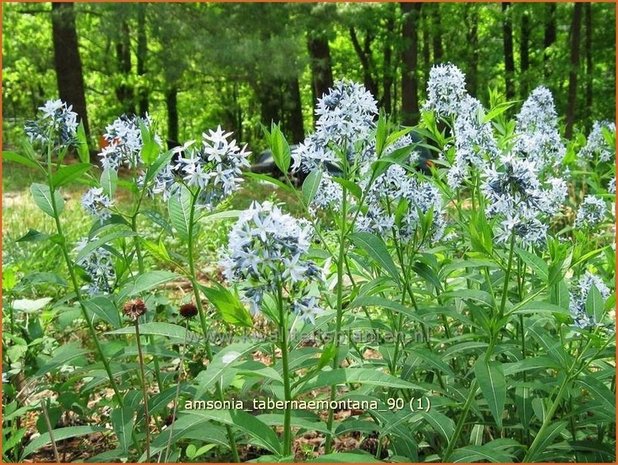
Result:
<point x="287" y="418"/>
<point x="74" y="282"/>
<point x="340" y="271"/>
<point x="202" y="314"/>
<point x="144" y="389"/>
<point x="460" y="422"/>
<point x="507" y="276"/>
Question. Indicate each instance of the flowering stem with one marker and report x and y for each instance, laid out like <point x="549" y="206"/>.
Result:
<point x="287" y="418"/>
<point x="73" y="276"/>
<point x="176" y="396"/>
<point x="144" y="389"/>
<point x="203" y="324"/>
<point x="340" y="271"/>
<point x="507" y="276"/>
<point x="460" y="422"/>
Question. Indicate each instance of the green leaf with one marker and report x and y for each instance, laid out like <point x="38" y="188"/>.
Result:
<point x="156" y="328"/>
<point x="82" y="144"/>
<point x="59" y="434"/>
<point x="100" y="241"/>
<point x="280" y="148"/>
<point x="42" y="196"/>
<point x="599" y="392"/>
<point x="109" y="180"/>
<point x="553" y="430"/>
<point x="145" y="282"/>
<point x="61" y="356"/>
<point x="161" y="161"/>
<point x="105" y="309"/>
<point x="122" y="422"/>
<point x="220" y="362"/>
<point x="376" y="301"/>
<point x="150" y="148"/>
<point x="376" y="248"/>
<point x="493" y="386"/>
<point x="471" y="454"/>
<point x="594" y="304"/>
<point x="311" y="185"/>
<point x="368" y="376"/>
<point x="345" y="457"/>
<point x="537" y="306"/>
<point x="69" y="173"/>
<point x="475" y="295"/>
<point x="431" y="359"/>
<point x="270" y="180"/>
<point x="33" y="235"/>
<point x="17" y="158"/>
<point x="536" y="263"/>
<point x="179" y="207"/>
<point x="350" y="186"/>
<point x="257" y="429"/>
<point x="440" y="423"/>
<point x="229" y="305"/>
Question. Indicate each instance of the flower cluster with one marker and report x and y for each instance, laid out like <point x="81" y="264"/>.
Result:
<point x="578" y="297"/>
<point x="516" y="193"/>
<point x="536" y="134"/>
<point x="124" y="142"/>
<point x="266" y="250"/>
<point x="473" y="140"/>
<point x="396" y="202"/>
<point x="56" y="125"/>
<point x="446" y="89"/>
<point x="99" y="267"/>
<point x="345" y="121"/>
<point x="597" y="145"/>
<point x="97" y="204"/>
<point x="592" y="211"/>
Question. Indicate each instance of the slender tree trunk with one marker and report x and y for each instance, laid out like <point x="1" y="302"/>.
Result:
<point x="550" y="35"/>
<point x="142" y="50"/>
<point x="124" y="92"/>
<point x="588" y="49"/>
<point x="294" y="111"/>
<point x="426" y="48"/>
<point x="67" y="61"/>
<point x="321" y="64"/>
<point x="409" y="76"/>
<point x="364" y="56"/>
<point x="509" y="61"/>
<point x="573" y="71"/>
<point x="387" y="79"/>
<point x="524" y="55"/>
<point x="472" y="19"/>
<point x="171" y="100"/>
<point x="438" y="51"/>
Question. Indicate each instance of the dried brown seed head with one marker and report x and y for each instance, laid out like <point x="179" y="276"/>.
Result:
<point x="134" y="309"/>
<point x="188" y="310"/>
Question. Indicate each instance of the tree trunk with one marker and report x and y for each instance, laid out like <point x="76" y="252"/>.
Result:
<point x="472" y="20"/>
<point x="438" y="51"/>
<point x="387" y="79"/>
<point x="409" y="77"/>
<point x="364" y="56"/>
<point x="588" y="48"/>
<point x="171" y="100"/>
<point x="426" y="47"/>
<point x="524" y="55"/>
<point x="142" y="50"/>
<point x="549" y="36"/>
<point x="509" y="61"/>
<point x="321" y="65"/>
<point x="67" y="62"/>
<point x="124" y="92"/>
<point x="294" y="111"/>
<point x="572" y="98"/>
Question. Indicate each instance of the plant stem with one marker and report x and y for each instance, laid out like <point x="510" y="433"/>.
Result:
<point x="507" y="276"/>
<point x="340" y="270"/>
<point x="78" y="295"/>
<point x="202" y="314"/>
<point x="460" y="422"/>
<point x="287" y="418"/>
<point x="49" y="429"/>
<point x="177" y="395"/>
<point x="144" y="389"/>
